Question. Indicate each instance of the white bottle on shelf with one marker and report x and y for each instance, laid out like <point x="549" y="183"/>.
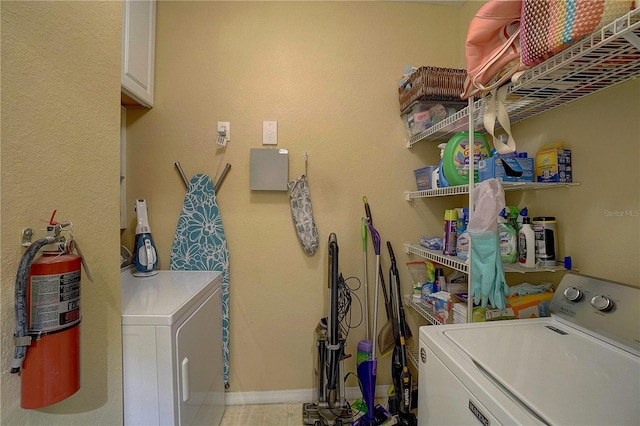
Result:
<point x="526" y="245"/>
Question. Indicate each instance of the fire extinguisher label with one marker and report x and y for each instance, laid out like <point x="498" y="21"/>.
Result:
<point x="55" y="301"/>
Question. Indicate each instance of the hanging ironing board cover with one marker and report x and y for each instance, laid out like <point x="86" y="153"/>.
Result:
<point x="200" y="245"/>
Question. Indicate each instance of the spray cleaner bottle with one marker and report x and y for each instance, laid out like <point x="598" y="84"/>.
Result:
<point x="463" y="240"/>
<point x="524" y="212"/>
<point x="449" y="240"/>
<point x="508" y="239"/>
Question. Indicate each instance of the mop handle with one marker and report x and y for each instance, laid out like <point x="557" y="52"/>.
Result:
<point x="375" y="311"/>
<point x="366" y="281"/>
<point x="367" y="210"/>
<point x="375" y="236"/>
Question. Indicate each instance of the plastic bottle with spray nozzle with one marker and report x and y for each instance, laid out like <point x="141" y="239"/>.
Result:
<point x="524" y="212"/>
<point x="449" y="240"/>
<point x="463" y="240"/>
<point x="508" y="238"/>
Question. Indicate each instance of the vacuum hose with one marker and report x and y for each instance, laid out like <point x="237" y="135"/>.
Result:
<point x="22" y="331"/>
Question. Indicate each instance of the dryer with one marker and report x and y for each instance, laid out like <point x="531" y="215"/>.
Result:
<point x="172" y="348"/>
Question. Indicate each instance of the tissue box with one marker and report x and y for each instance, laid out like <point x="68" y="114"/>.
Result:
<point x="492" y="167"/>
<point x="423" y="177"/>
<point x="521" y="307"/>
<point x="553" y="164"/>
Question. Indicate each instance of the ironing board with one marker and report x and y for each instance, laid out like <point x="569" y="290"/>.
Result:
<point x="200" y="245"/>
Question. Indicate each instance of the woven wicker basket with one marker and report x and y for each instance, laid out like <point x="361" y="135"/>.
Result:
<point x="432" y="84"/>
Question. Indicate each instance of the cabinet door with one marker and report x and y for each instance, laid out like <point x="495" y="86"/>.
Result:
<point x="123" y="168"/>
<point x="199" y="362"/>
<point x="138" y="50"/>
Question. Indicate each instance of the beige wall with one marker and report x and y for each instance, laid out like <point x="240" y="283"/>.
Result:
<point x="60" y="132"/>
<point x="598" y="221"/>
<point x="327" y="72"/>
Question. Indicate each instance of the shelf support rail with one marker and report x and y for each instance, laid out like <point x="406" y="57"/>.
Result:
<point x="472" y="185"/>
<point x="632" y="39"/>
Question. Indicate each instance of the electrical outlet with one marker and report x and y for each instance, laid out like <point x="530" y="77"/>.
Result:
<point x="270" y="133"/>
<point x="224" y="132"/>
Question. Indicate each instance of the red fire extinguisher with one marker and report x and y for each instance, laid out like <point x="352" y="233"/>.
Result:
<point x="48" y="320"/>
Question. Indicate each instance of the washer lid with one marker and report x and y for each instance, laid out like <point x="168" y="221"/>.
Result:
<point x="163" y="298"/>
<point x="561" y="374"/>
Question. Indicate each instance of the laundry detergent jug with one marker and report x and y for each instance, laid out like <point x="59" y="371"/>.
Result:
<point x="455" y="161"/>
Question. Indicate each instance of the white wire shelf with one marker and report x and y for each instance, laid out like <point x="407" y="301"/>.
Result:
<point x="600" y="60"/>
<point x="515" y="267"/>
<point x="464" y="189"/>
<point x="421" y="308"/>
<point x="458" y="264"/>
<point x="412" y="354"/>
<point x="436" y="256"/>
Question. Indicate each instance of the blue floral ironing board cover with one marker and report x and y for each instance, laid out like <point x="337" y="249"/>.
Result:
<point x="200" y="245"/>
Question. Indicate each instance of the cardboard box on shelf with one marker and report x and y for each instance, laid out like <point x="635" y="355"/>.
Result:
<point x="493" y="167"/>
<point x="518" y="307"/>
<point x="553" y="164"/>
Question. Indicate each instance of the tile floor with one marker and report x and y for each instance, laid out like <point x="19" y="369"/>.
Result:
<point x="267" y="414"/>
<point x="263" y="415"/>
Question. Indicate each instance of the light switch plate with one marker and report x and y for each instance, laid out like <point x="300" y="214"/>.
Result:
<point x="270" y="133"/>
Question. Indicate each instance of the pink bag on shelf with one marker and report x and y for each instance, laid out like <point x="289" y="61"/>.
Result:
<point x="492" y="48"/>
<point x="549" y="26"/>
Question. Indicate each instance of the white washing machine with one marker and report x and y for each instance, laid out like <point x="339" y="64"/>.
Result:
<point x="172" y="348"/>
<point x="581" y="366"/>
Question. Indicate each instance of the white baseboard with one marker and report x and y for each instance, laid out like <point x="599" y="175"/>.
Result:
<point x="291" y="396"/>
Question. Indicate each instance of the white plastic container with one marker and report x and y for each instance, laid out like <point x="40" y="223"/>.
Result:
<point x="546" y="235"/>
<point x="526" y="245"/>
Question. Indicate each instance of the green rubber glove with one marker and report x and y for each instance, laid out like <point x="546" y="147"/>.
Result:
<point x="488" y="284"/>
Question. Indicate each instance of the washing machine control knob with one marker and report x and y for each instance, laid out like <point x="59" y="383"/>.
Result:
<point x="572" y="293"/>
<point x="602" y="303"/>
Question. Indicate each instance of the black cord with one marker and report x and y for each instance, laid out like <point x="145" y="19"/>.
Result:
<point x="346" y="295"/>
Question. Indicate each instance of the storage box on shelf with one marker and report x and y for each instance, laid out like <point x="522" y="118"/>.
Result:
<point x="518" y="307"/>
<point x="423" y="114"/>
<point x="424" y="177"/>
<point x="493" y="168"/>
<point x="553" y="164"/>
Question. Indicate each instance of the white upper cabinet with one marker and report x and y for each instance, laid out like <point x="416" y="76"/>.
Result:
<point x="138" y="52"/>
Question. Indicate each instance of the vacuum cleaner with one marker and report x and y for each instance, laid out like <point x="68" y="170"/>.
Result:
<point x="331" y="407"/>
<point x="145" y="259"/>
<point x="400" y="402"/>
